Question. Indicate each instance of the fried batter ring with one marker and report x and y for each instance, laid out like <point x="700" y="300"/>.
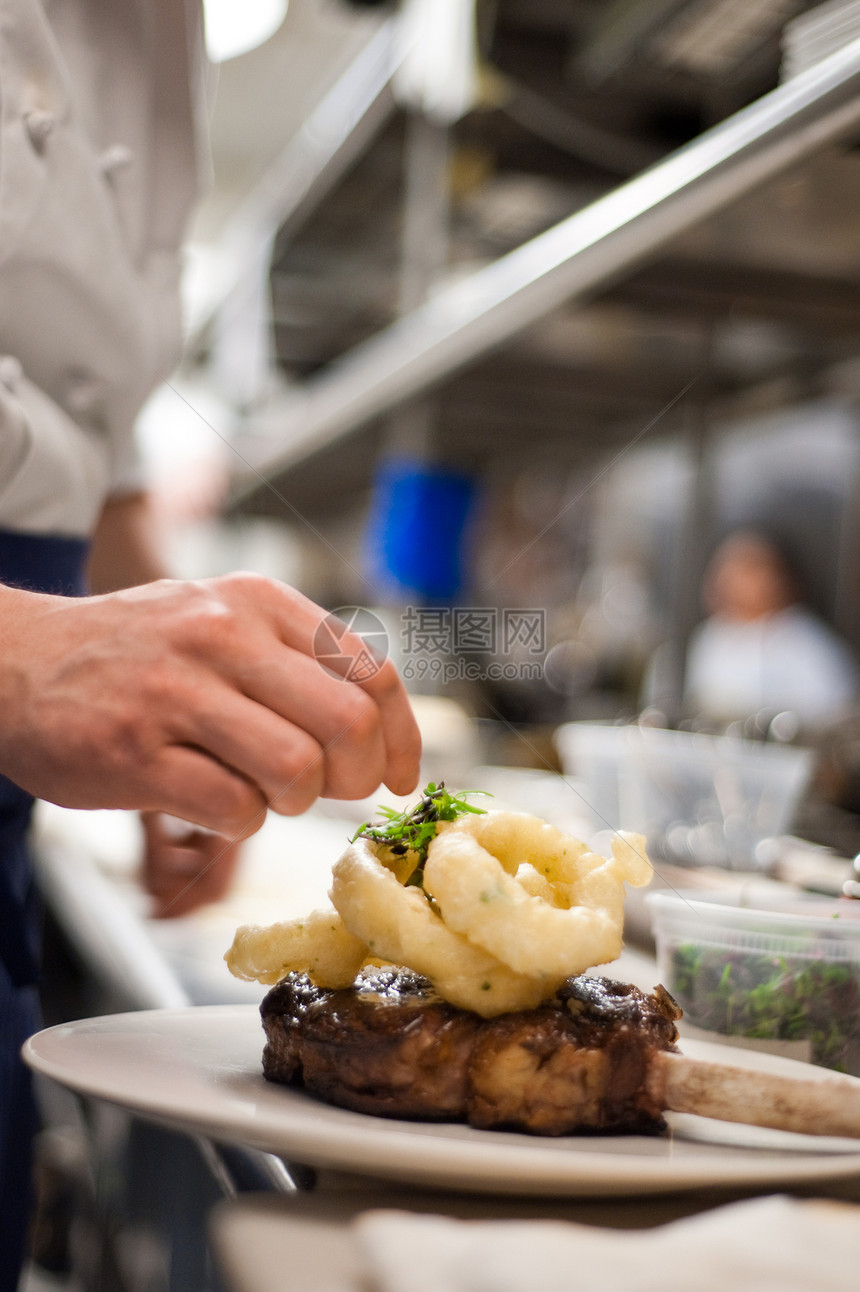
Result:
<point x="471" y="874"/>
<point x="510" y="908"/>
<point x="400" y="925"/>
<point x="318" y="944"/>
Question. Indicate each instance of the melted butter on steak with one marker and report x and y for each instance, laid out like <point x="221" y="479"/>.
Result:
<point x="391" y="1046"/>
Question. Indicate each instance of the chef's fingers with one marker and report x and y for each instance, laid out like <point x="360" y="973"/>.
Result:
<point x="296" y="724"/>
<point x="189" y="783"/>
<point x="294" y="616"/>
<point x="343" y="659"/>
<point x="183" y="875"/>
<point x="291" y="765"/>
<point x="402" y="737"/>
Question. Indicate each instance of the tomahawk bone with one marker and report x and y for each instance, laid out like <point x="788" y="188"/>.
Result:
<point x="827" y="1104"/>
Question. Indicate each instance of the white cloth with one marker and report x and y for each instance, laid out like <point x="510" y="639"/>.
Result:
<point x="790" y="660"/>
<point x="776" y="1244"/>
<point x="99" y="147"/>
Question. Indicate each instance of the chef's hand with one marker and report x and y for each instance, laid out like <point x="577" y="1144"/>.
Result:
<point x="184" y="866"/>
<point x="200" y="699"/>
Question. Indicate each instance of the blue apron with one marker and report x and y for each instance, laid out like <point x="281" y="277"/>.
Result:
<point x="40" y="564"/>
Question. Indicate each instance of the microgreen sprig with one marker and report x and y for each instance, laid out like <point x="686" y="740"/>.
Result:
<point x="414" y="830"/>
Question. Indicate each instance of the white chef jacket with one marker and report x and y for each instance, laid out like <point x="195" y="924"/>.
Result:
<point x="789" y="660"/>
<point x="99" y="150"/>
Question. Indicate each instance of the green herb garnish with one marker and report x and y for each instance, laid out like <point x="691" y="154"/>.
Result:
<point x="413" y="831"/>
<point x="772" y="997"/>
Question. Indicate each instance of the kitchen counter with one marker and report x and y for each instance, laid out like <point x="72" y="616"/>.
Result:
<point x="86" y="864"/>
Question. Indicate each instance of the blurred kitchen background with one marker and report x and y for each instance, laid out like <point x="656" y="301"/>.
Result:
<point x="501" y="314"/>
<point x="366" y="411"/>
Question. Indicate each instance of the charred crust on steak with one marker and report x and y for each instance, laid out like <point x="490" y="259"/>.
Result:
<point x="388" y="1045"/>
<point x="391" y="1046"/>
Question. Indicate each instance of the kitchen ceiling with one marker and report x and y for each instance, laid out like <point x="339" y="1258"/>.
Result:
<point x="577" y="95"/>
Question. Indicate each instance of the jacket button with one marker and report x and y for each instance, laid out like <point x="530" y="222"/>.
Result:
<point x="10" y="371"/>
<point x="114" y="159"/>
<point x="39" y="125"/>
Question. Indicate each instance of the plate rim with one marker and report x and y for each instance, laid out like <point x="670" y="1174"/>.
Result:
<point x="340" y="1138"/>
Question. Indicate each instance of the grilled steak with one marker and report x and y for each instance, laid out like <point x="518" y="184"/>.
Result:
<point x="390" y="1046"/>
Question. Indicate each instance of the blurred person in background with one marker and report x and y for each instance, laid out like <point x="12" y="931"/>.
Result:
<point x="200" y="700"/>
<point x="761" y="648"/>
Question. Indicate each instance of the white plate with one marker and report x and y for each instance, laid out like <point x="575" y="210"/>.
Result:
<point x="199" y="1070"/>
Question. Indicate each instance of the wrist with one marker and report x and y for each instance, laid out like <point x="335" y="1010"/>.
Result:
<point x="16" y="608"/>
<point x="20" y="612"/>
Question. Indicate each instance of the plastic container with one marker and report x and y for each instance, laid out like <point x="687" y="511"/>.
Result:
<point x="784" y="980"/>
<point x="698" y="799"/>
<point x="596" y="755"/>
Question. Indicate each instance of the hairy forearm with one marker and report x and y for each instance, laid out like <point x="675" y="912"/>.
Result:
<point x="126" y="547"/>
